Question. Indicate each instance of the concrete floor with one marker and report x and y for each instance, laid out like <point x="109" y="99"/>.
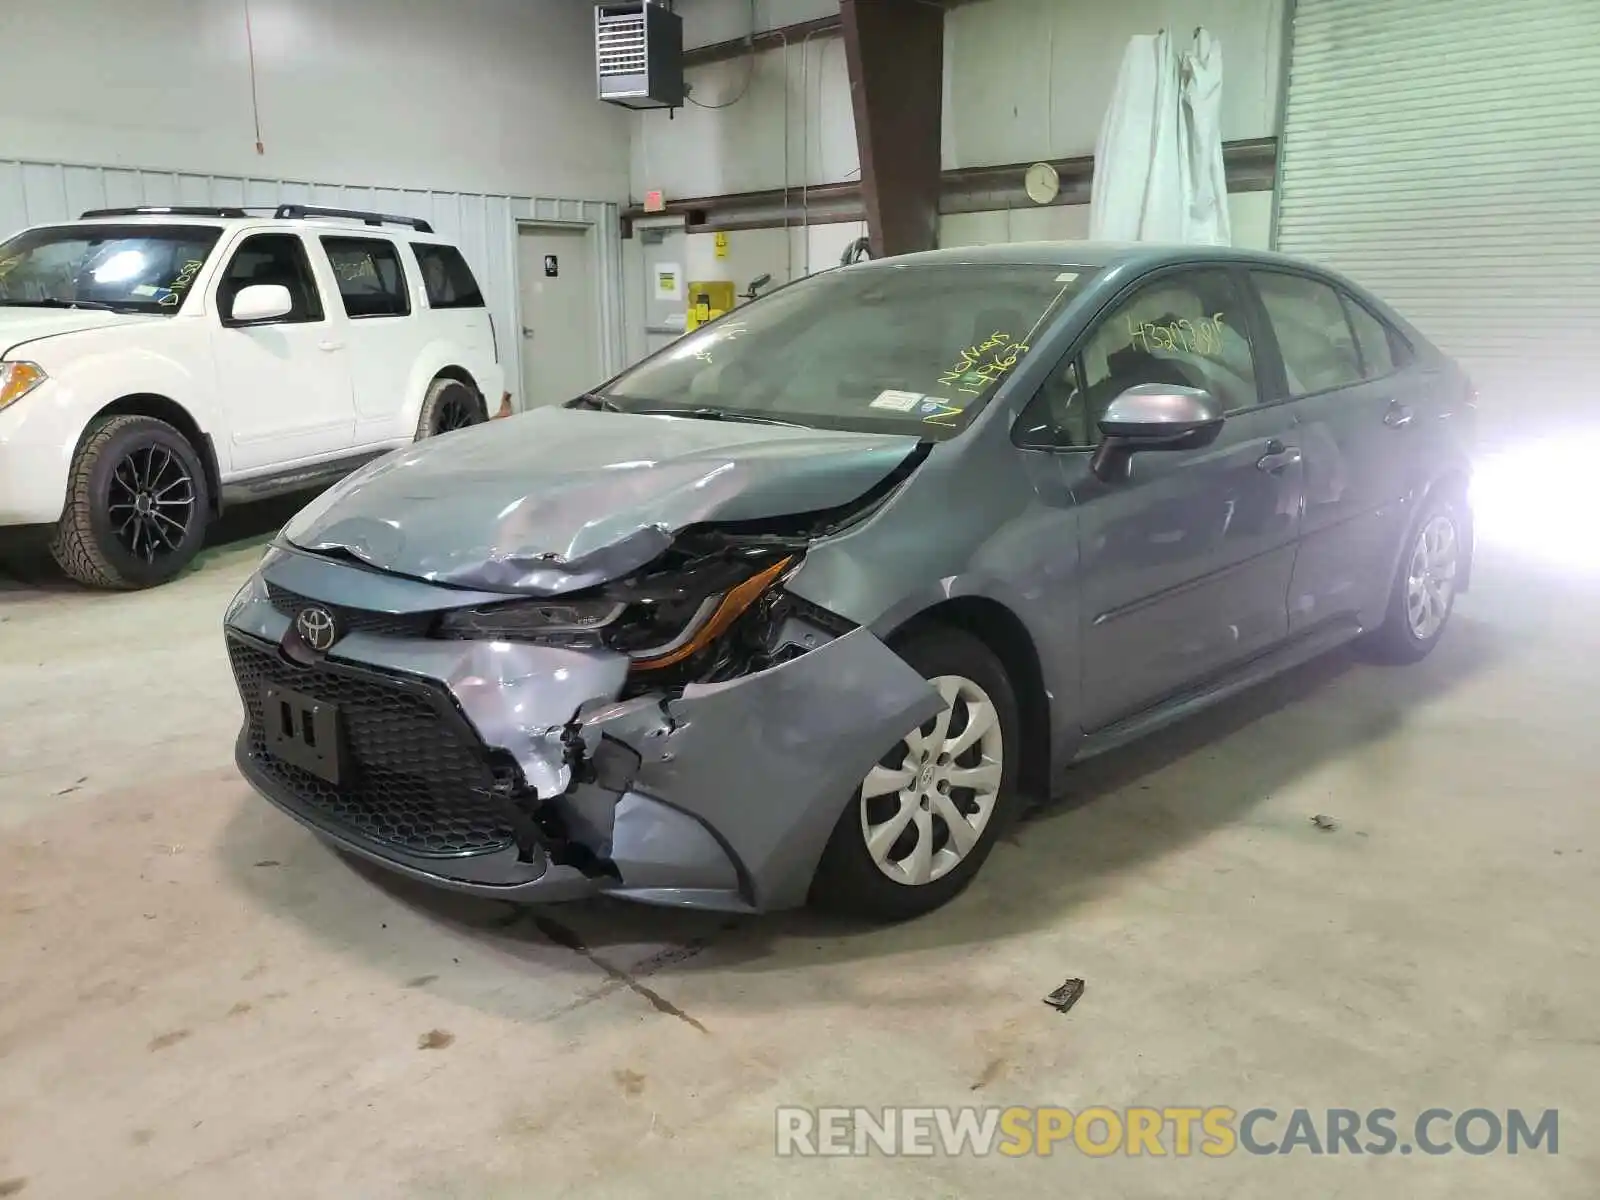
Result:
<point x="198" y="999"/>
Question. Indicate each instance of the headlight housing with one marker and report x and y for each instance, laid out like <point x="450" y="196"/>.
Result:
<point x="17" y="379"/>
<point x="567" y="622"/>
<point x="659" y="621"/>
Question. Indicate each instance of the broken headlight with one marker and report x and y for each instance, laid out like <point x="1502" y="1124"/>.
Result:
<point x="575" y="623"/>
<point x="659" y="620"/>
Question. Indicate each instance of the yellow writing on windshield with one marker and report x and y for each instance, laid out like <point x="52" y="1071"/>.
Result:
<point x="178" y="286"/>
<point x="978" y="367"/>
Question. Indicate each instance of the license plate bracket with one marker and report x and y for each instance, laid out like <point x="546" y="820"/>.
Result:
<point x="303" y="731"/>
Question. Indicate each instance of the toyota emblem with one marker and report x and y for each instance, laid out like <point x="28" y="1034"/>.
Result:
<point x="317" y="628"/>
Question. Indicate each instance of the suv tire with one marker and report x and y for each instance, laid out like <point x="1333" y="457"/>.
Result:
<point x="449" y="405"/>
<point x="850" y="879"/>
<point x="137" y="505"/>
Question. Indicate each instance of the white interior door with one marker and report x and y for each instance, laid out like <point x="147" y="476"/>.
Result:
<point x="560" y="334"/>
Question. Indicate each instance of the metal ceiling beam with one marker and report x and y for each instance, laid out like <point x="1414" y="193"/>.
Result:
<point x="895" y="53"/>
<point x="1248" y="163"/>
<point x="766" y="39"/>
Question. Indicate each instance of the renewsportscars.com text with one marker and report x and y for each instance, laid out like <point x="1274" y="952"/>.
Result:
<point x="1213" y="1132"/>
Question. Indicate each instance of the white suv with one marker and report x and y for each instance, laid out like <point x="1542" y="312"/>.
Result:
<point x="157" y="363"/>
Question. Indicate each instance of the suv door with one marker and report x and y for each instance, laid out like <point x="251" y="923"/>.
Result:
<point x="1185" y="564"/>
<point x="284" y="384"/>
<point x="375" y="295"/>
<point x="1356" y="410"/>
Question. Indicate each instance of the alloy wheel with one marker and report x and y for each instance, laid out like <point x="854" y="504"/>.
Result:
<point x="1431" y="577"/>
<point x="151" y="502"/>
<point x="926" y="804"/>
<point x="454" y="413"/>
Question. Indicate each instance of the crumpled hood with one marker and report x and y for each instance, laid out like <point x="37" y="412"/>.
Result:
<point x="559" y="499"/>
<point x="21" y="325"/>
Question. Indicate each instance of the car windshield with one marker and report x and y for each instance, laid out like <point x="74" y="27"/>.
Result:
<point x="133" y="268"/>
<point x="902" y="349"/>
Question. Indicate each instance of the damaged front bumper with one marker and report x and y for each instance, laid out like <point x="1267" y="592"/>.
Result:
<point x="513" y="770"/>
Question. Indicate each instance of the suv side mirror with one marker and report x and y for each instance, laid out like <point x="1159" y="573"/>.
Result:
<point x="1154" y="416"/>
<point x="260" y="302"/>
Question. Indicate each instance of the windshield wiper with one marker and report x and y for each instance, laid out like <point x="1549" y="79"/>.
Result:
<point x="716" y="414"/>
<point x="594" y="400"/>
<point x="53" y="302"/>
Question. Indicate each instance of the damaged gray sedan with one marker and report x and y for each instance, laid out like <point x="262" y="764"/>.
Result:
<point x="799" y="606"/>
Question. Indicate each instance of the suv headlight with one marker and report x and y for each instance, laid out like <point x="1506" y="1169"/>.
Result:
<point x="657" y="624"/>
<point x="17" y="379"/>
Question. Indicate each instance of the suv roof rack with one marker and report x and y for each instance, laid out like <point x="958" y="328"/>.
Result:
<point x="294" y="212"/>
<point x="152" y="210"/>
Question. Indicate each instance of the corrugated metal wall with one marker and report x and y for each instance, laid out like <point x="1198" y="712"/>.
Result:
<point x="1445" y="153"/>
<point x="483" y="226"/>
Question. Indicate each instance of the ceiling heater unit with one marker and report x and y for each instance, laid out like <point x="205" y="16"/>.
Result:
<point x="639" y="54"/>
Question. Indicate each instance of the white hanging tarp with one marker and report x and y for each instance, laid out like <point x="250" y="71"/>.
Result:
<point x="1205" y="183"/>
<point x="1158" y="174"/>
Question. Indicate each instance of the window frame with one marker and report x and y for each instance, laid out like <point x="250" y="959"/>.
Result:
<point x="1402" y="352"/>
<point x="1254" y="319"/>
<point x="308" y="272"/>
<point x="400" y="265"/>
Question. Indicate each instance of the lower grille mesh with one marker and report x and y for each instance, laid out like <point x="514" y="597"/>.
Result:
<point x="414" y="776"/>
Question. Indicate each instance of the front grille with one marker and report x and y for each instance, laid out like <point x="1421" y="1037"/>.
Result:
<point x="354" y="620"/>
<point x="414" y="776"/>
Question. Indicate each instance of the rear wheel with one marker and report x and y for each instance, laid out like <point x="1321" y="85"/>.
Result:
<point x="136" y="508"/>
<point x="449" y="405"/>
<point x="1423" y="594"/>
<point x="929" y="812"/>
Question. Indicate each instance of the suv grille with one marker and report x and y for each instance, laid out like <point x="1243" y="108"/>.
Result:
<point x="355" y="620"/>
<point x="414" y="775"/>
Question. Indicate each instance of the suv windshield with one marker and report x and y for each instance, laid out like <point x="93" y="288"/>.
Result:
<point x="133" y="268"/>
<point x="902" y="349"/>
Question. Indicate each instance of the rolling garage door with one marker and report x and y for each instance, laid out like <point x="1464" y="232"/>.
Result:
<point x="1446" y="153"/>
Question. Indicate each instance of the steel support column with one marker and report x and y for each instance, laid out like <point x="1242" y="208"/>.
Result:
<point x="895" y="53"/>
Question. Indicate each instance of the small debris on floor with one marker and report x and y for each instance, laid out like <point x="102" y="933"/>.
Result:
<point x="1065" y="996"/>
<point x="1324" y="822"/>
<point x="631" y="1082"/>
<point x="435" y="1039"/>
<point x="64" y="791"/>
<point x="167" y="1039"/>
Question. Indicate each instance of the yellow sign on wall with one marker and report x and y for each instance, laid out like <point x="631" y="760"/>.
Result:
<point x="722" y="245"/>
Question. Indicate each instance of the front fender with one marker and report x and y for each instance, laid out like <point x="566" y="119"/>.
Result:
<point x="40" y="433"/>
<point x="435" y="357"/>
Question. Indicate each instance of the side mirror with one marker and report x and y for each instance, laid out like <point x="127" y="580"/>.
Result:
<point x="261" y="302"/>
<point x="1154" y="416"/>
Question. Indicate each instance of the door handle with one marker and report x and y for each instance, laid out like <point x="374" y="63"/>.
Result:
<point x="1398" y="416"/>
<point x="1278" y="458"/>
<point x="526" y="332"/>
<point x="330" y="346"/>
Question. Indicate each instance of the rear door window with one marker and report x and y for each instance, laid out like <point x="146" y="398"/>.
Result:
<point x="372" y="283"/>
<point x="1314" y="335"/>
<point x="1374" y="340"/>
<point x="446" y="277"/>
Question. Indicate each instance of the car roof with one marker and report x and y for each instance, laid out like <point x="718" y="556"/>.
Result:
<point x="1141" y="255"/>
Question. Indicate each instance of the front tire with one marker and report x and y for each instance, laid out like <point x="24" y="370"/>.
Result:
<point x="448" y="406"/>
<point x="1425" y="586"/>
<point x="137" y="506"/>
<point x="929" y="813"/>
